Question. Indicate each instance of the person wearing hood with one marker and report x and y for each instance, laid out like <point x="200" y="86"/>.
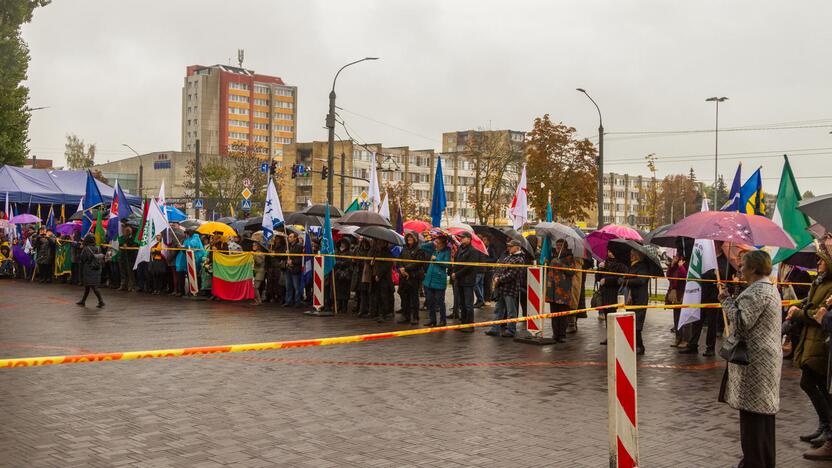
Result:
<point x="6" y="261"/>
<point x="824" y="318"/>
<point x="411" y="274"/>
<point x="811" y="352"/>
<point x="193" y="242"/>
<point x="91" y="262"/>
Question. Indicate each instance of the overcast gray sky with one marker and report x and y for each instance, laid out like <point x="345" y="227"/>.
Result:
<point x="111" y="72"/>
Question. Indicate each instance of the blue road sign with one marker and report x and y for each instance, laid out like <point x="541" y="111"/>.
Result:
<point x="264" y="167"/>
<point x="198" y="203"/>
<point x="246" y="204"/>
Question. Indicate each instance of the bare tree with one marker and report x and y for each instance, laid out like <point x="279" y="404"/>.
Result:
<point x="496" y="162"/>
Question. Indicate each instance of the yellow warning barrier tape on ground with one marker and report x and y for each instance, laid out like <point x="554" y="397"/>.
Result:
<point x="239" y="348"/>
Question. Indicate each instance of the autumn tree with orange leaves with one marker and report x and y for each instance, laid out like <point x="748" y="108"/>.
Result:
<point x="559" y="162"/>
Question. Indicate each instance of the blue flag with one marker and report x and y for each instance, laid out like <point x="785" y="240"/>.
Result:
<point x="546" y="246"/>
<point x="50" y="220"/>
<point x="752" y="200"/>
<point x="733" y="202"/>
<point x="327" y="244"/>
<point x="439" y="202"/>
<point x="306" y="275"/>
<point x="92" y="197"/>
<point x="119" y="210"/>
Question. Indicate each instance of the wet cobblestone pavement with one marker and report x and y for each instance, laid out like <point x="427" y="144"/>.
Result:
<point x="444" y="400"/>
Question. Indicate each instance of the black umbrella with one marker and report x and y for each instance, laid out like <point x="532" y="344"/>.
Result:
<point x="646" y="251"/>
<point x="303" y="219"/>
<point x="364" y="218"/>
<point x="381" y="233"/>
<point x="227" y="220"/>
<point x="497" y="238"/>
<point x="91" y="213"/>
<point x="320" y="210"/>
<point x="191" y="223"/>
<point x="239" y="226"/>
<point x="525" y="243"/>
<point x="806" y="257"/>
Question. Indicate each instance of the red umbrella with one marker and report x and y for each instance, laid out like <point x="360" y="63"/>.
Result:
<point x="731" y="226"/>
<point x="476" y="242"/>
<point x="598" y="239"/>
<point x="416" y="225"/>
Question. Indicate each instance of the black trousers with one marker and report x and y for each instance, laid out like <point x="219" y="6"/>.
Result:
<point x="94" y="289"/>
<point x="814" y="385"/>
<point x="559" y="324"/>
<point x="709" y="317"/>
<point x="410" y="302"/>
<point x="381" y="298"/>
<point x="757" y="440"/>
<point x="466" y="304"/>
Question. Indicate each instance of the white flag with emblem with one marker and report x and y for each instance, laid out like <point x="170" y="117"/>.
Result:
<point x="702" y="260"/>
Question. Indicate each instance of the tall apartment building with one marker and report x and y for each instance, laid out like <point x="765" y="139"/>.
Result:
<point x="625" y="199"/>
<point x="226" y="107"/>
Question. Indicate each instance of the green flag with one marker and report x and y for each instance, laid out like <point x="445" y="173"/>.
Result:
<point x="354" y="206"/>
<point x="100" y="234"/>
<point x="788" y="217"/>
<point x="63" y="259"/>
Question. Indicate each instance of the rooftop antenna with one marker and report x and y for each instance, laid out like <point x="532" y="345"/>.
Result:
<point x="241" y="56"/>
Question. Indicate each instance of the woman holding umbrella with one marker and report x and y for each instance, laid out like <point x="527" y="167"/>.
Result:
<point x="559" y="287"/>
<point x="609" y="276"/>
<point x="638" y="291"/>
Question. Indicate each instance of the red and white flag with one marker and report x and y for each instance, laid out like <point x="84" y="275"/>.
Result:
<point x="519" y="210"/>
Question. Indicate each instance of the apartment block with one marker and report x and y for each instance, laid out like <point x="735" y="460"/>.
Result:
<point x="232" y="109"/>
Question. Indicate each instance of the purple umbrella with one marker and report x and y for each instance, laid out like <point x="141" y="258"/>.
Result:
<point x="22" y="257"/>
<point x="67" y="229"/>
<point x="25" y="218"/>
<point x="729" y="226"/>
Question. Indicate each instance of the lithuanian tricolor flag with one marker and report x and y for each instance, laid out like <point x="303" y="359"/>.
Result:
<point x="233" y="276"/>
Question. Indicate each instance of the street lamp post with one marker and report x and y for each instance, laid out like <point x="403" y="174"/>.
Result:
<point x="716" y="100"/>
<point x="141" y="168"/>
<point x="600" y="160"/>
<point x="330" y="125"/>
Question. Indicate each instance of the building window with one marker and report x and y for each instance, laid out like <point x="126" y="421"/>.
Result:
<point x="234" y="85"/>
<point x="283" y="92"/>
<point x="283" y="128"/>
<point x="449" y="180"/>
<point x="285" y="141"/>
<point x="237" y="110"/>
<point x="261" y="102"/>
<point x="261" y="138"/>
<point x="261" y="126"/>
<point x="261" y="114"/>
<point x="238" y="123"/>
<point x="261" y="89"/>
<point x="238" y="135"/>
<point x="282" y="116"/>
<point x="237" y="98"/>
<point x="284" y="105"/>
<point x="278" y="152"/>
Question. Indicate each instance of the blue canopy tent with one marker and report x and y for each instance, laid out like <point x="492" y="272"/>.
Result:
<point x="50" y="187"/>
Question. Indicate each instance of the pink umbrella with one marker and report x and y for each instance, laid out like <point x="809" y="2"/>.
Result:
<point x="476" y="242"/>
<point x="416" y="225"/>
<point x="598" y="239"/>
<point x="25" y="218"/>
<point x="730" y="226"/>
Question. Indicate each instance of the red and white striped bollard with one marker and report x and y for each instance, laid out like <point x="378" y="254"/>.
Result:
<point x="622" y="386"/>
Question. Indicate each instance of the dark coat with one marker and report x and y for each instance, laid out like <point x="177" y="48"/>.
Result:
<point x="343" y="276"/>
<point x="46" y="250"/>
<point x="90" y="265"/>
<point x="382" y="269"/>
<point x="612" y="282"/>
<point x="509" y="279"/>
<point x="297" y="261"/>
<point x="811" y="350"/>
<point x="415" y="271"/>
<point x="638" y="287"/>
<point x="466" y="275"/>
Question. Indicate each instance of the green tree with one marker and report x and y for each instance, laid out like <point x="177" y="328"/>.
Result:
<point x="14" y="63"/>
<point x="77" y="155"/>
<point x="559" y="162"/>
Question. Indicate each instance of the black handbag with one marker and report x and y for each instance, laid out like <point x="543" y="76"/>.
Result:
<point x="734" y="349"/>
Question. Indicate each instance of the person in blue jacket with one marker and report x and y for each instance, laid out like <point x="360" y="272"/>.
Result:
<point x="192" y="242"/>
<point x="436" y="280"/>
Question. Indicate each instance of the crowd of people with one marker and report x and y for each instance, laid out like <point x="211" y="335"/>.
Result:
<point x="367" y="277"/>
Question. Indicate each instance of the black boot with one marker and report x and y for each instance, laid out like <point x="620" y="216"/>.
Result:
<point x="808" y="437"/>
<point x="821" y="439"/>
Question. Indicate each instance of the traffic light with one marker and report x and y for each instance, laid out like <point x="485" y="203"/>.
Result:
<point x="294" y="170"/>
<point x="324" y="172"/>
<point x="273" y="168"/>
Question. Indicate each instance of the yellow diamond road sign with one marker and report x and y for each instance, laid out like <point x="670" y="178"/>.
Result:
<point x="246" y="193"/>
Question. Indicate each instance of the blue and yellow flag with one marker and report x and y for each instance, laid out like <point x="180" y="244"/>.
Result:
<point x="752" y="200"/>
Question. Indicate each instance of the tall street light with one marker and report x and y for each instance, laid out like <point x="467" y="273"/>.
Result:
<point x="330" y="124"/>
<point x="716" y="100"/>
<point x="141" y="168"/>
<point x="600" y="160"/>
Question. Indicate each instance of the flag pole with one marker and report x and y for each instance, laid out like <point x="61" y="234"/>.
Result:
<point x="718" y="281"/>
